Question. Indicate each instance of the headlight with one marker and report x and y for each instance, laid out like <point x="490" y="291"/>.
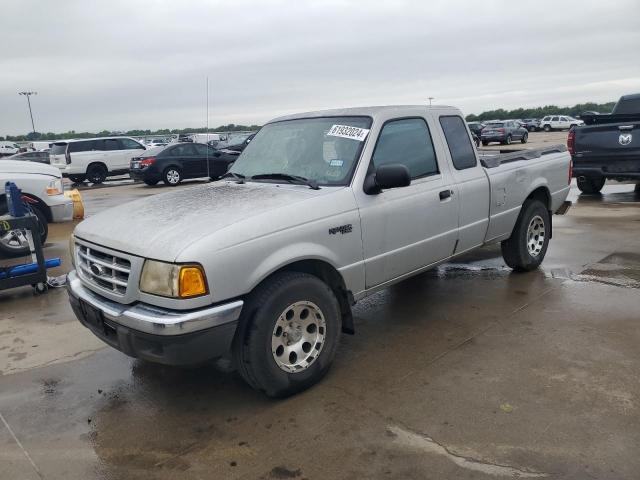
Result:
<point x="171" y="280"/>
<point x="55" y="187"/>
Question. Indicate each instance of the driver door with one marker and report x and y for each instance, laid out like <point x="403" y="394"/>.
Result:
<point x="405" y="229"/>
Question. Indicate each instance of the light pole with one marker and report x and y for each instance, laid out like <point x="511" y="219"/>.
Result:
<point x="28" y="94"/>
<point x="431" y="98"/>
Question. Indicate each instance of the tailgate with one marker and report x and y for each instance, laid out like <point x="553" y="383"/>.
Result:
<point x="620" y="141"/>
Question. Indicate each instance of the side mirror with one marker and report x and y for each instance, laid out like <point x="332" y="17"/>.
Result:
<point x="393" y="175"/>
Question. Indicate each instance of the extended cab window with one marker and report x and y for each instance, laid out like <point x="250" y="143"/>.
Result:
<point x="407" y="142"/>
<point x="460" y="148"/>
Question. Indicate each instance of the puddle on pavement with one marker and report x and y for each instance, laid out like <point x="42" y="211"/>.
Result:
<point x="617" y="269"/>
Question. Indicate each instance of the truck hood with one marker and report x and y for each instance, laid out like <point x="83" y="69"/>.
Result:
<point x="161" y="226"/>
<point x="22" y="166"/>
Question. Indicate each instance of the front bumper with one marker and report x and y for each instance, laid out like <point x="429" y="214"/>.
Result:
<point x="155" y="334"/>
<point x="61" y="208"/>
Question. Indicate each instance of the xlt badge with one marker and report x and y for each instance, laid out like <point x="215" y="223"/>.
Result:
<point x="341" y="229"/>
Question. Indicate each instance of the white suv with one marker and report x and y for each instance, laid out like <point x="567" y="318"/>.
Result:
<point x="559" y="122"/>
<point x="93" y="159"/>
<point x="8" y="148"/>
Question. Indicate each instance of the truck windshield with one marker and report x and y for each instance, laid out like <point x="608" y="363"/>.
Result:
<point x="324" y="150"/>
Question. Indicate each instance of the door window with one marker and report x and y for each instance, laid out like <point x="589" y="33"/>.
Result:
<point x="183" y="150"/>
<point x="554" y="119"/>
<point x="407" y="142"/>
<point x="111" y="144"/>
<point x="462" y="153"/>
<point x="201" y="150"/>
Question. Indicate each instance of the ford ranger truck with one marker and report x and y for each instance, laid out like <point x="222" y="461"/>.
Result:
<point x="320" y="210"/>
<point x="607" y="146"/>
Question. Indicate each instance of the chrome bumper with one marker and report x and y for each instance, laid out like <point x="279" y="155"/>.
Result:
<point x="155" y="320"/>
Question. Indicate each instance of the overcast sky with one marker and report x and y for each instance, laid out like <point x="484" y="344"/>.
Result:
<point x="143" y="64"/>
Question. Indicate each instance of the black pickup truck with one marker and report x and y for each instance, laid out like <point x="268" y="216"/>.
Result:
<point x="607" y="146"/>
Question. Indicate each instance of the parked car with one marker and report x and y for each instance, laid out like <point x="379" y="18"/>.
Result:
<point x="40" y="157"/>
<point x="476" y="128"/>
<point x="42" y="189"/>
<point x="235" y="140"/>
<point x="8" y="148"/>
<point x="179" y="161"/>
<point x="321" y="210"/>
<point x="94" y="159"/>
<point x="504" y="132"/>
<point x="239" y="145"/>
<point x="559" y="122"/>
<point x="156" y="142"/>
<point x="531" y="124"/>
<point x="607" y="146"/>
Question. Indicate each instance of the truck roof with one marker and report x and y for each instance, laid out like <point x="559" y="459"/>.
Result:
<point x="401" y="110"/>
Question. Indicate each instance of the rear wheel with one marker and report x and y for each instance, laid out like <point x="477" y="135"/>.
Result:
<point x="508" y="140"/>
<point x="96" y="174"/>
<point x="524" y="138"/>
<point x="172" y="176"/>
<point x="288" y="334"/>
<point x="525" y="249"/>
<point x="591" y="184"/>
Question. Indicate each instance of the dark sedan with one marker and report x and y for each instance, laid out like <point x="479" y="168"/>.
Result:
<point x="40" y="157"/>
<point x="504" y="132"/>
<point x="180" y="161"/>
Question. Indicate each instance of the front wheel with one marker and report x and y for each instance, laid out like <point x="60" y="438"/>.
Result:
<point x="288" y="334"/>
<point x="524" y="138"/>
<point x="547" y="128"/>
<point x="97" y="174"/>
<point x="525" y="249"/>
<point x="591" y="185"/>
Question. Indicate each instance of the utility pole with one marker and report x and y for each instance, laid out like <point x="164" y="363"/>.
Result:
<point x="431" y="98"/>
<point x="208" y="167"/>
<point x="28" y="94"/>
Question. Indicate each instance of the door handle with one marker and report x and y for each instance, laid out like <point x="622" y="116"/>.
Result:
<point x="445" y="194"/>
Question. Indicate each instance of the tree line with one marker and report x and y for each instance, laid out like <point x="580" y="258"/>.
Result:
<point x="29" y="137"/>
<point x="500" y="113"/>
<point x="539" y="112"/>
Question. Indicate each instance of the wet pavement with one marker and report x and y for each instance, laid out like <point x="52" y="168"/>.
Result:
<point x="467" y="371"/>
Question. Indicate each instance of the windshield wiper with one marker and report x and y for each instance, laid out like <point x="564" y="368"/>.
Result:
<point x="289" y="178"/>
<point x="236" y="176"/>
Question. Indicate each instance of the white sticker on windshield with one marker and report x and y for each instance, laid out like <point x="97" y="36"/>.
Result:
<point x="345" y="131"/>
<point x="336" y="163"/>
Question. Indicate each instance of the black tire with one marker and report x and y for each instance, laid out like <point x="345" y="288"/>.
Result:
<point x="637" y="189"/>
<point x="151" y="183"/>
<point x="524" y="138"/>
<point x="547" y="128"/>
<point x="9" y="250"/>
<point x="508" y="141"/>
<point x="515" y="250"/>
<point x="172" y="176"/>
<point x="97" y="173"/>
<point x="267" y="305"/>
<point x="485" y="143"/>
<point x="532" y="128"/>
<point x="77" y="178"/>
<point x="590" y="185"/>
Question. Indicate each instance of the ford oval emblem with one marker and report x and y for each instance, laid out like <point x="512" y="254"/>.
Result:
<point x="97" y="270"/>
<point x="625" y="139"/>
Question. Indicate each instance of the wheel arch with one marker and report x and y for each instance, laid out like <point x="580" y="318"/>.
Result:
<point x="35" y="201"/>
<point x="326" y="272"/>
<point x="102" y="164"/>
<point x="543" y="194"/>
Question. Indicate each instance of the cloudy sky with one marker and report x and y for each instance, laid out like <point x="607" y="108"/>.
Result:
<point x="129" y="64"/>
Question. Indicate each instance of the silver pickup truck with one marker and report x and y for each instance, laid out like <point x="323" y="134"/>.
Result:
<point x="320" y="210"/>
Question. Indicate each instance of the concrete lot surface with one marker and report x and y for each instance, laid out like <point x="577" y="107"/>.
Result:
<point x="469" y="371"/>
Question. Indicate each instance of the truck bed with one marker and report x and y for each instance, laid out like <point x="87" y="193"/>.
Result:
<point x="489" y="160"/>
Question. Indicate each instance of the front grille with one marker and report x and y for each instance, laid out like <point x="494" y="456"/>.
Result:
<point x="103" y="269"/>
